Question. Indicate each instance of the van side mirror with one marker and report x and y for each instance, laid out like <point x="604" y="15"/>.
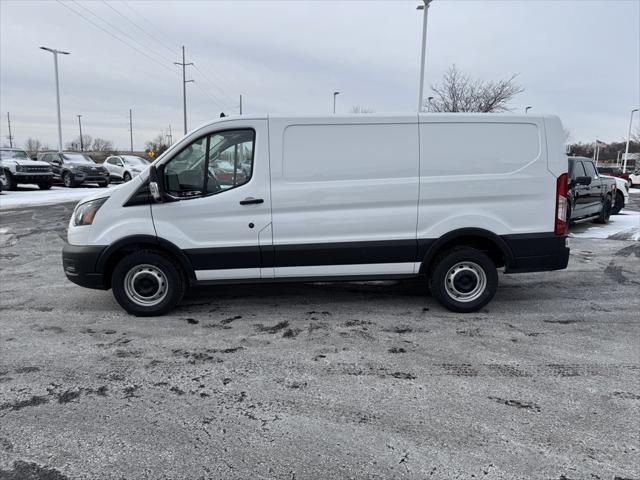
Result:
<point x="154" y="186"/>
<point x="583" y="181"/>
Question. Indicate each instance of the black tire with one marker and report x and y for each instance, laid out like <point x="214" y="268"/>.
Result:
<point x="11" y="182"/>
<point x="476" y="278"/>
<point x="44" y="185"/>
<point x="126" y="177"/>
<point x="103" y="184"/>
<point x="156" y="273"/>
<point x="605" y="212"/>
<point x="619" y="203"/>
<point x="67" y="180"/>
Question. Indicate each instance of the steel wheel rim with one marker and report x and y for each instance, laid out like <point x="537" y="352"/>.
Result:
<point x="146" y="285"/>
<point x="67" y="180"/>
<point x="465" y="281"/>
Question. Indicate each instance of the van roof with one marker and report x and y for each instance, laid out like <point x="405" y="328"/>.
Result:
<point x="382" y="116"/>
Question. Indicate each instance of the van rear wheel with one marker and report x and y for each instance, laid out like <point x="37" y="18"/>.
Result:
<point x="463" y="279"/>
<point x="147" y="283"/>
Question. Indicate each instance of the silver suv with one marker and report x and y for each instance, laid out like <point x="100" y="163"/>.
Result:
<point x="19" y="168"/>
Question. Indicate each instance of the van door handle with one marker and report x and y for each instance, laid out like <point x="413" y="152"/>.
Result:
<point x="251" y="201"/>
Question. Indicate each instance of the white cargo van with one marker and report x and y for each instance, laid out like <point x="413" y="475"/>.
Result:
<point x="447" y="197"/>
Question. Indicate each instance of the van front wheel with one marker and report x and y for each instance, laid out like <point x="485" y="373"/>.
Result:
<point x="463" y="279"/>
<point x="147" y="283"/>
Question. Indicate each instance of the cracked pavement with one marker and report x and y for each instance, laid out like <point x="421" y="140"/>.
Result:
<point x="318" y="380"/>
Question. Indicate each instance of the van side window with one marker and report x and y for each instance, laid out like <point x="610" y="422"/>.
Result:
<point x="231" y="158"/>
<point x="211" y="164"/>
<point x="184" y="174"/>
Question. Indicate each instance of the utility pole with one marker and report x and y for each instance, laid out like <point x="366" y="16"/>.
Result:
<point x="335" y="94"/>
<point x="425" y="15"/>
<point x="184" y="87"/>
<point x="170" y="136"/>
<point x="55" y="64"/>
<point x="80" y="125"/>
<point x="10" y="137"/>
<point x="240" y="104"/>
<point x="131" y="129"/>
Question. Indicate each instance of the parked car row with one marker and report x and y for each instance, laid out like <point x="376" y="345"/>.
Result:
<point x="72" y="169"/>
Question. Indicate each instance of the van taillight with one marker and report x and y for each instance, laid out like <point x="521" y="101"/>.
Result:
<point x="561" y="205"/>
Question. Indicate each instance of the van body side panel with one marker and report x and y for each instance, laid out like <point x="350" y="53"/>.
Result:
<point x="557" y="160"/>
<point x="484" y="172"/>
<point x="337" y="186"/>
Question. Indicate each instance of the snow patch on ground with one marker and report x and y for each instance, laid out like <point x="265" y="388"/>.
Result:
<point x="624" y="226"/>
<point x="27" y="195"/>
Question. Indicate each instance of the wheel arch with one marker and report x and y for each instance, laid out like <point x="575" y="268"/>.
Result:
<point x="483" y="240"/>
<point x="118" y="250"/>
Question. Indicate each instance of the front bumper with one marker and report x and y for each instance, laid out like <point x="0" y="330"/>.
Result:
<point x="80" y="265"/>
<point x="27" y="177"/>
<point x="90" y="177"/>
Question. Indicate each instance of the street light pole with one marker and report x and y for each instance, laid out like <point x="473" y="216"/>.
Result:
<point x="526" y="110"/>
<point x="55" y="64"/>
<point x="131" y="129"/>
<point x="626" y="150"/>
<point x="80" y="125"/>
<point x="424" y="7"/>
<point x="335" y="94"/>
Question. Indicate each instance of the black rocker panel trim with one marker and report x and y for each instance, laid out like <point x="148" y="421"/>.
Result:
<point x="393" y="251"/>
<point x="223" y="258"/>
<point x="522" y="253"/>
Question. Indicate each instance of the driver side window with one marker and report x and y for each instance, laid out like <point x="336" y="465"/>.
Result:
<point x="211" y="164"/>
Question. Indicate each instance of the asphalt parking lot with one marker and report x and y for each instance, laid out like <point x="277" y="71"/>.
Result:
<point x="318" y="380"/>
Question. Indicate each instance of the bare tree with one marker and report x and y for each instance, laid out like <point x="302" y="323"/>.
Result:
<point x="75" y="144"/>
<point x="567" y="134"/>
<point x="461" y="93"/>
<point x="158" y="145"/>
<point x="33" y="145"/>
<point x="101" y="145"/>
<point x="361" y="109"/>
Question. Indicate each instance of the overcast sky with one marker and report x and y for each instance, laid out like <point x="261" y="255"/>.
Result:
<point x="577" y="59"/>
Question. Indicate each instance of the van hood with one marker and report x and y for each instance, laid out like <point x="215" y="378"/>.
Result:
<point x="109" y="192"/>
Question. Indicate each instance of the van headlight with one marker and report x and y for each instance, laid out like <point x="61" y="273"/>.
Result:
<point x="86" y="212"/>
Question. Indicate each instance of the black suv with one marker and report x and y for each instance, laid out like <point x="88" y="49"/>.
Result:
<point x="74" y="169"/>
<point x="591" y="196"/>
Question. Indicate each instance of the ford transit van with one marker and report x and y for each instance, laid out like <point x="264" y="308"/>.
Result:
<point x="449" y="198"/>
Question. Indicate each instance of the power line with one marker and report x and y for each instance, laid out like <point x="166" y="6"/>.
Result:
<point x="160" y="42"/>
<point x="120" y="30"/>
<point x="117" y="38"/>
<point x="130" y="7"/>
<point x="214" y="85"/>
